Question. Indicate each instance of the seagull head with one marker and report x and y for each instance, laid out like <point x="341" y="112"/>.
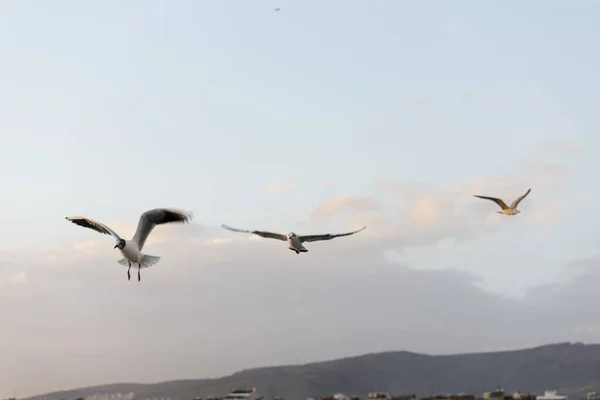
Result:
<point x="291" y="235"/>
<point x="120" y="244"/>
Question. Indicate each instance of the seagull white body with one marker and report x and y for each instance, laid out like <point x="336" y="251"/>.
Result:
<point x="295" y="242"/>
<point x="506" y="210"/>
<point x="131" y="250"/>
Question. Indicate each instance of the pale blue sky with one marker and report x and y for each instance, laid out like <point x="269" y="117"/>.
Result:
<point x="109" y="108"/>
<point x="232" y="95"/>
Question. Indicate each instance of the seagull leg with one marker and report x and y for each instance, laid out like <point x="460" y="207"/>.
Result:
<point x="128" y="274"/>
<point x="139" y="268"/>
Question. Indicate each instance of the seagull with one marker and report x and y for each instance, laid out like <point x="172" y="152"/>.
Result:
<point x="506" y="210"/>
<point x="276" y="9"/>
<point x="132" y="249"/>
<point x="294" y="241"/>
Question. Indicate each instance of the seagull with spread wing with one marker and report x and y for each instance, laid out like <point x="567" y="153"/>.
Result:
<point x="295" y="241"/>
<point x="132" y="249"/>
<point x="506" y="210"/>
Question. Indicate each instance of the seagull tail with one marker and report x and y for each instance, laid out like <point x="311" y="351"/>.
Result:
<point x="123" y="262"/>
<point x="148" y="260"/>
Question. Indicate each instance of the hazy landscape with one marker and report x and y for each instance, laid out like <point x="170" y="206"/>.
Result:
<point x="574" y="369"/>
<point x="281" y="127"/>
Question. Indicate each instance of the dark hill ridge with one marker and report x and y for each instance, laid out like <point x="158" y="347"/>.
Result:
<point x="574" y="369"/>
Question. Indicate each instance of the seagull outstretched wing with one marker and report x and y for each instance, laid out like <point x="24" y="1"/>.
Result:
<point x="269" y="235"/>
<point x="157" y="216"/>
<point x="327" y="236"/>
<point x="501" y="203"/>
<point x="518" y="200"/>
<point x="95" y="225"/>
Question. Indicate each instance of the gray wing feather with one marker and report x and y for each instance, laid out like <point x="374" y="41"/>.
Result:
<point x="518" y="200"/>
<point x="500" y="202"/>
<point x="269" y="235"/>
<point x="328" y="236"/>
<point x="157" y="216"/>
<point x="95" y="225"/>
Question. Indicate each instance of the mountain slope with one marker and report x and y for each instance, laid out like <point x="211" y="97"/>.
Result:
<point x="574" y="369"/>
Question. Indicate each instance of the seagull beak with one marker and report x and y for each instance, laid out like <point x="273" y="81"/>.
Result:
<point x="116" y="246"/>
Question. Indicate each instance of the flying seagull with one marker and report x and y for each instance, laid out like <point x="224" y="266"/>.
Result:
<point x="276" y="9"/>
<point x="294" y="241"/>
<point x="506" y="210"/>
<point x="132" y="249"/>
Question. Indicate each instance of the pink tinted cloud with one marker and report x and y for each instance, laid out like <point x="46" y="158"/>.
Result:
<point x="344" y="203"/>
<point x="422" y="213"/>
<point x="281" y="188"/>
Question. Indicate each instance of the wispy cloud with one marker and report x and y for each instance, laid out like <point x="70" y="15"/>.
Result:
<point x="345" y="203"/>
<point x="420" y="212"/>
<point x="414" y="103"/>
<point x="327" y="183"/>
<point x="13" y="279"/>
<point x="18" y="278"/>
<point x="218" y="241"/>
<point x="281" y="188"/>
<point x="560" y="147"/>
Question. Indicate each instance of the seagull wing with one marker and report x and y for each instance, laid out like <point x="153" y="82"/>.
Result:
<point x="517" y="201"/>
<point x="328" y="236"/>
<point x="97" y="226"/>
<point x="495" y="200"/>
<point x="269" y="235"/>
<point x="158" y="216"/>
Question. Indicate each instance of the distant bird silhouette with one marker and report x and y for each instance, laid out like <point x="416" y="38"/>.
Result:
<point x="277" y="9"/>
<point x="506" y="210"/>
